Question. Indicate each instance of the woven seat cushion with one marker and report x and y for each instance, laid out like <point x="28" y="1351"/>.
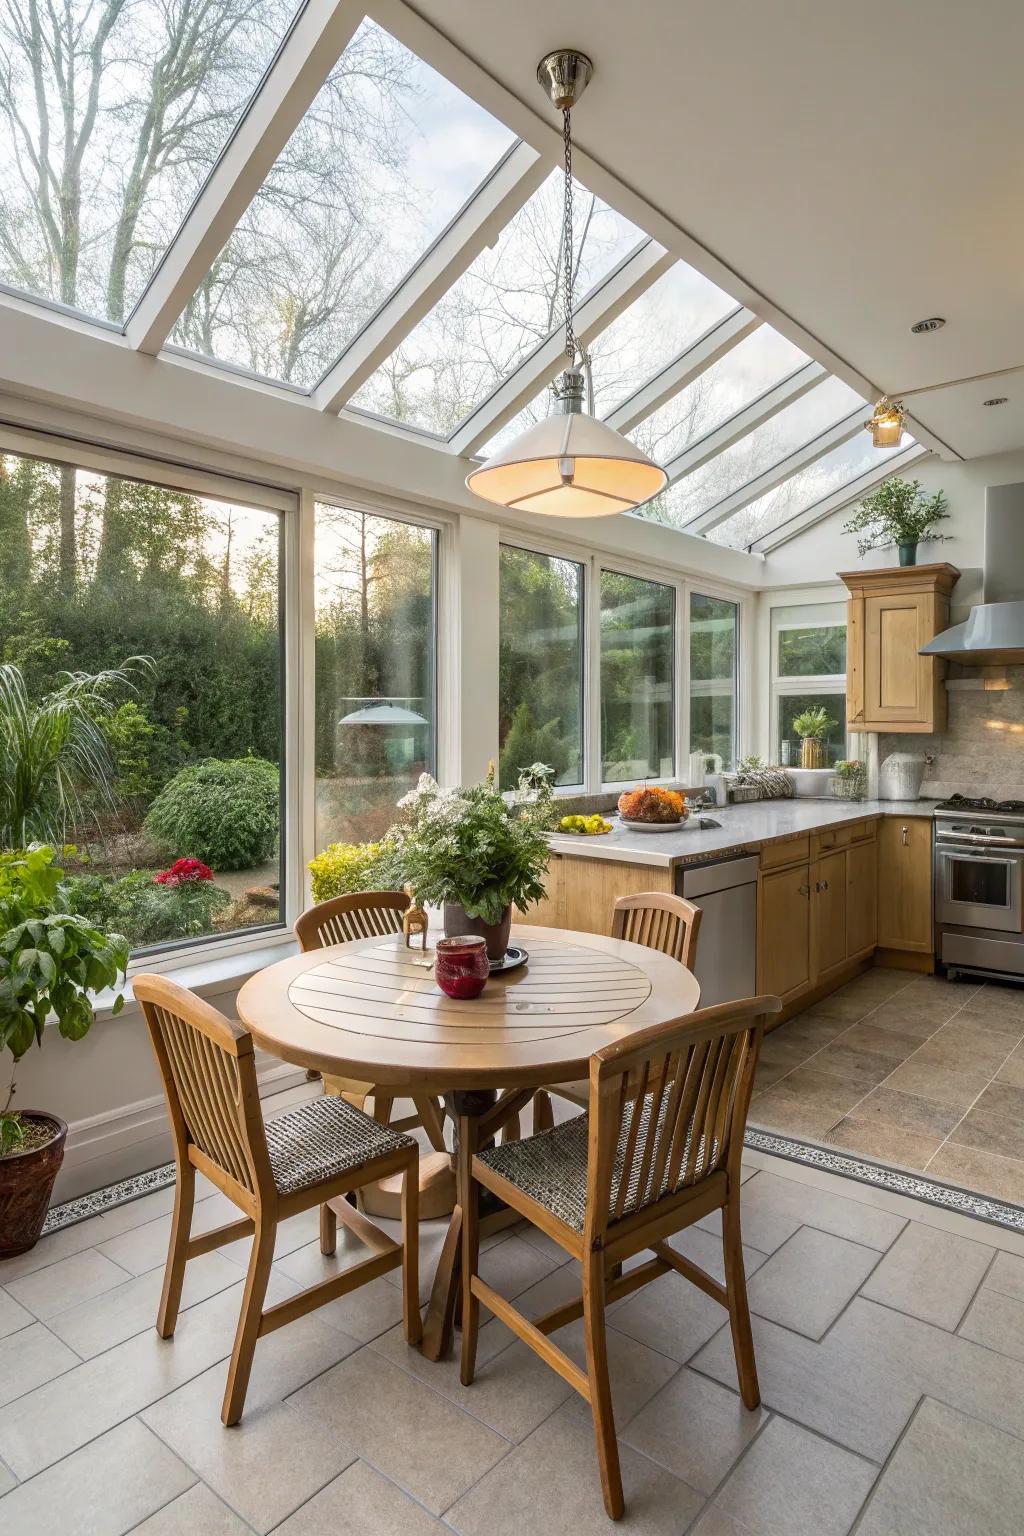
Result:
<point x="322" y="1139"/>
<point x="552" y="1167"/>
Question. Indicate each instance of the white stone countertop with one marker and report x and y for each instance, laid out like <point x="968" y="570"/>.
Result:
<point x="744" y="828"/>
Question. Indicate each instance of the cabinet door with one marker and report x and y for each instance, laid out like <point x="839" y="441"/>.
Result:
<point x="898" y="683"/>
<point x="861" y="898"/>
<point x="592" y="887"/>
<point x="905" y="883"/>
<point x="828" y="914"/>
<point x="549" y="912"/>
<point x="784" y="931"/>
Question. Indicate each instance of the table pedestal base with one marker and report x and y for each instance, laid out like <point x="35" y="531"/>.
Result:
<point x="437" y="1191"/>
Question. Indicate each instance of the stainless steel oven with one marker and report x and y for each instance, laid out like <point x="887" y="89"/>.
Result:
<point x="979" y="887"/>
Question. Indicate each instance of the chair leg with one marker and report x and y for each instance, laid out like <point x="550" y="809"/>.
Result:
<point x="739" y="1311"/>
<point x="382" y="1106"/>
<point x="177" y="1252"/>
<point x="543" y="1114"/>
<point x="470" y="1204"/>
<point x="328" y="1230"/>
<point x="411" y="1253"/>
<point x="600" y="1386"/>
<point x="250" y="1317"/>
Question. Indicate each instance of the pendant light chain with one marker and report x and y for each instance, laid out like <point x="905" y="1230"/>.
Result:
<point x="570" y="334"/>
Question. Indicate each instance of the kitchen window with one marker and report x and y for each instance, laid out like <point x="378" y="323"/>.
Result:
<point x="714" y="658"/>
<point x="540" y="666"/>
<point x="808" y="672"/>
<point x="637" y="679"/>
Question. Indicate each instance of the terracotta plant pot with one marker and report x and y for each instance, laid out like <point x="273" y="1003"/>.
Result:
<point x="26" y="1183"/>
<point x="812" y="752"/>
<point x="495" y="935"/>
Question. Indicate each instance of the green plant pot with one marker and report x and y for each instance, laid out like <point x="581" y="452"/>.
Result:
<point x="908" y="554"/>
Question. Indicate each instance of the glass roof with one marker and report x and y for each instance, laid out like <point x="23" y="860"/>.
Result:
<point x="95" y="174"/>
<point x="506" y="303"/>
<point x="385" y="157"/>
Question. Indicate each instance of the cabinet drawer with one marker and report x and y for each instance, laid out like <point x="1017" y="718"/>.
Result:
<point x="825" y="842"/>
<point x="793" y="850"/>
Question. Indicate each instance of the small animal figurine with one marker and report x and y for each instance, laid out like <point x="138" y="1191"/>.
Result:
<point x="414" y="920"/>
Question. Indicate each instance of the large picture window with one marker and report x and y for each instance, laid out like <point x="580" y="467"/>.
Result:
<point x="540" y="685"/>
<point x="375" y="668"/>
<point x="141" y="697"/>
<point x="714" y="655"/>
<point x="637" y="650"/>
<point x="808" y="672"/>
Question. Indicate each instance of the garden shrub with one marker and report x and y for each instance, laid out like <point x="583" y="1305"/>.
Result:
<point x="223" y="812"/>
<point x="145" y="910"/>
<point x="344" y="867"/>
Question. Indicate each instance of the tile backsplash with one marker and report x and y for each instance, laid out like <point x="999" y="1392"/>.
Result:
<point x="981" y="752"/>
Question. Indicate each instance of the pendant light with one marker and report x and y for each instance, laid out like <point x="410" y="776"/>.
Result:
<point x="571" y="464"/>
<point x="886" y="423"/>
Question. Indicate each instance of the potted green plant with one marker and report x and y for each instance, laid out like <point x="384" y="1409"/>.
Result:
<point x="50" y="963"/>
<point x="897" y="513"/>
<point x="850" y="781"/>
<point x="474" y="852"/>
<point x="812" y="726"/>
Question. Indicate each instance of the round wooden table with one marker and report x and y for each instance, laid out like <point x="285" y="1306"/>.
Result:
<point x="371" y="1010"/>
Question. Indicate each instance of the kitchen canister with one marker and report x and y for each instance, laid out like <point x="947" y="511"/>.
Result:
<point x="901" y="775"/>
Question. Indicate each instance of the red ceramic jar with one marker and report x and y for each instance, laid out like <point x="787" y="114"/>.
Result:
<point x="461" y="966"/>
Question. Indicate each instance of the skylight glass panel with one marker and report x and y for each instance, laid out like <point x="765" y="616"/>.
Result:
<point x="111" y="117"/>
<point x="802" y="490"/>
<point x="756" y="453"/>
<point x="673" y="313"/>
<point x="502" y="307"/>
<point x="383" y="160"/>
<point x="747" y="371"/>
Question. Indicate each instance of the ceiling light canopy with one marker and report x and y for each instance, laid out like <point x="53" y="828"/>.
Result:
<point x="570" y="464"/>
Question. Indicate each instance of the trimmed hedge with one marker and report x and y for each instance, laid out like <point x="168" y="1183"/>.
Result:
<point x="223" y="812"/>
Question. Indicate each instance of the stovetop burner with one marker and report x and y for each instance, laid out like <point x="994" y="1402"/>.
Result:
<point x="981" y="803"/>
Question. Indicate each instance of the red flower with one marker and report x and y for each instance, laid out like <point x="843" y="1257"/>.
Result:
<point x="183" y="870"/>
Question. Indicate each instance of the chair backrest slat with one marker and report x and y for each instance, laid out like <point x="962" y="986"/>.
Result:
<point x="660" y="921"/>
<point x="356" y="915"/>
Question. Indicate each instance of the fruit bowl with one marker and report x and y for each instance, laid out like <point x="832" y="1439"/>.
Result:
<point x="650" y="805"/>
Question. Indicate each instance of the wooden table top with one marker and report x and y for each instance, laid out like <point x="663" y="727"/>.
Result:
<point x="371" y="1010"/>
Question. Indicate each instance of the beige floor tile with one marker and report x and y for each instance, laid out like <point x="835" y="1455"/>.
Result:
<point x="136" y="1213"/>
<point x="1012" y="1069"/>
<point x="141" y="1248"/>
<point x="809" y="1280"/>
<point x="705" y="1250"/>
<point x="822" y="1089"/>
<point x="995" y="998"/>
<point x="1007" y="1276"/>
<point x="997" y="1321"/>
<point x="909" y="1111"/>
<point x="410" y="1433"/>
<point x="514" y="1266"/>
<point x="131" y="1308"/>
<point x="992" y="1020"/>
<point x="794" y="1482"/>
<point x="636" y="1372"/>
<point x="883" y="1142"/>
<point x="769" y="1073"/>
<point x="266" y="1466"/>
<point x="949" y="1473"/>
<point x="361" y="1503"/>
<point x="891" y="1044"/>
<point x="939" y="989"/>
<point x="1004" y="1099"/>
<point x="810" y="1029"/>
<point x="7" y="1480"/>
<point x="58" y="1245"/>
<point x="1001" y="1177"/>
<point x="791" y="1115"/>
<point x="920" y="1019"/>
<point x="559" y="1458"/>
<point x="860" y="1068"/>
<point x="195" y="1513"/>
<point x="29" y="1358"/>
<point x="938" y="1081"/>
<point x="12" y="1315"/>
<point x="695" y="1429"/>
<point x="930" y="1274"/>
<point x="715" y="1522"/>
<point x="774" y="1208"/>
<point x="105" y="1489"/>
<point x="779" y="1050"/>
<point x="70" y="1280"/>
<point x="999" y="1134"/>
<point x="542" y="1242"/>
<point x="975" y="1051"/>
<point x="670" y="1316"/>
<point x="296" y="1232"/>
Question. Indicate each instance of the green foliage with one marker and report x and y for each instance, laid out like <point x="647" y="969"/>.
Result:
<point x="815" y="723"/>
<point x="147" y="913"/>
<point x="223" y="812"/>
<point x="897" y="513"/>
<point x="539" y="656"/>
<point x="473" y="847"/>
<point x="345" y="867"/>
<point x="528" y="743"/>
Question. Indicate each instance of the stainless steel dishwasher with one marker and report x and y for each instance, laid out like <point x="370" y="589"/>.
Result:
<point x="726" y="892"/>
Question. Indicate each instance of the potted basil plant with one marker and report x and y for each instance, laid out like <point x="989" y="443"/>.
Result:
<point x="474" y="852"/>
<point x="50" y="963"/>
<point x="898" y="514"/>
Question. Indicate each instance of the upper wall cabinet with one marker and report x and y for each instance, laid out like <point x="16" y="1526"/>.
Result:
<point x="891" y="614"/>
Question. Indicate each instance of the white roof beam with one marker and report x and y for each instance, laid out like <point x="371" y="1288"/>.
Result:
<point x="746" y="420"/>
<point x="852" y="491"/>
<point x="317" y="38"/>
<point x="603" y="303"/>
<point x="778" y="474"/>
<point x="477" y="225"/>
<point x="682" y="370"/>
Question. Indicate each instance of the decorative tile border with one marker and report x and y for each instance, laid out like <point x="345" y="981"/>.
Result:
<point x="899" y="1180"/>
<point x="100" y="1200"/>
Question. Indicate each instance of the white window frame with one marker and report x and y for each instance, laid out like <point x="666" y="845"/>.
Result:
<point x="741" y="706"/>
<point x="816" y="617"/>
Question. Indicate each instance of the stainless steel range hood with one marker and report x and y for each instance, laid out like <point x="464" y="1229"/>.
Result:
<point x="993" y="633"/>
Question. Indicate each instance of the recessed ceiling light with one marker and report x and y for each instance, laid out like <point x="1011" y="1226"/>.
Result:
<point x="934" y="324"/>
<point x="996" y="400"/>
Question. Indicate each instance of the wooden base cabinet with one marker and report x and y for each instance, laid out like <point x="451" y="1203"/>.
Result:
<point x="784" y="931"/>
<point x="581" y="892"/>
<point x="862" y="898"/>
<point x="905" y="884"/>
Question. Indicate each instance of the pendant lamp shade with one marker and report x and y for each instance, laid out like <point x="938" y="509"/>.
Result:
<point x="569" y="465"/>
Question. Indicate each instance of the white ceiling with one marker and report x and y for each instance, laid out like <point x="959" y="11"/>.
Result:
<point x="860" y="167"/>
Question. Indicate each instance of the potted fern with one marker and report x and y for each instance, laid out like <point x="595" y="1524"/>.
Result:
<point x="898" y="514"/>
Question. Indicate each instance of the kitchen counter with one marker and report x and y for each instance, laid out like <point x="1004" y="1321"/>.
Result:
<point x="744" y="828"/>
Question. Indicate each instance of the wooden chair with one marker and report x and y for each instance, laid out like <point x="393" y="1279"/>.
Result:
<point x="641" y="1165"/>
<point x="367" y="915"/>
<point x="310" y="1156"/>
<point x="657" y="919"/>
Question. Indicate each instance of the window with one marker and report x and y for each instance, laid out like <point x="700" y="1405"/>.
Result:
<point x="375" y="668"/>
<point x="540" y="684"/>
<point x="637" y="651"/>
<point x="177" y="756"/>
<point x="97" y="168"/>
<point x="714" y="656"/>
<point x="808" y="672"/>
